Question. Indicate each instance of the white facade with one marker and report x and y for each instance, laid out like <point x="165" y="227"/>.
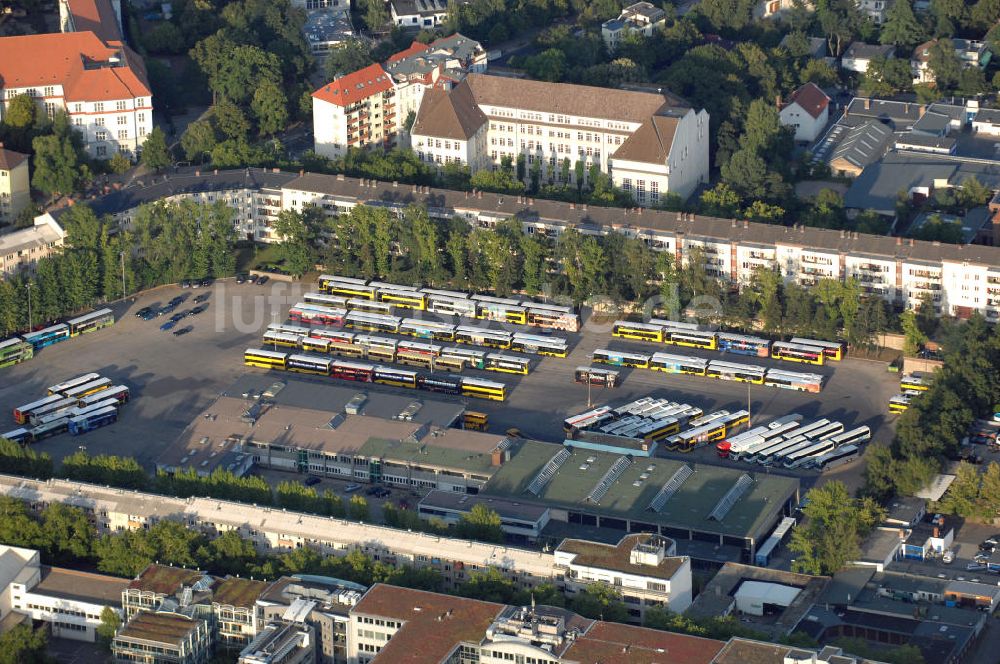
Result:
<point x="642" y="18"/>
<point x="355" y="111"/>
<point x="807" y="126"/>
<point x="22" y="249"/>
<point x="418" y="14"/>
<point x="686" y="166"/>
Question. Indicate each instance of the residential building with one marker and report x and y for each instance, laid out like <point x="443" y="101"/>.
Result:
<point x="68" y="602"/>
<point x="162" y="637"/>
<point x="521" y="521"/>
<point x="234" y="614"/>
<point x="643" y="567"/>
<point x="744" y="651"/>
<point x="771" y="8"/>
<point x="164" y="587"/>
<point x="328" y="28"/>
<point x="641" y="18"/>
<point x="357" y="110"/>
<point x="321" y="603"/>
<point x="101" y="85"/>
<point x="970" y="53"/>
<point x="392" y="624"/>
<point x="418" y="14"/>
<point x="281" y="642"/>
<point x="876" y="10"/>
<point x="22" y="249"/>
<point x="15" y="186"/>
<point x="987" y="122"/>
<point x="807" y="109"/>
<point x="650" y="143"/>
<point x="441" y="64"/>
<point x="102" y="17"/>
<point x="858" y="55"/>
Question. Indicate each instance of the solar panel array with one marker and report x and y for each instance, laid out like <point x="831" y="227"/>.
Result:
<point x="743" y="483"/>
<point x="610" y="477"/>
<point x="546" y="473"/>
<point x="670" y="488"/>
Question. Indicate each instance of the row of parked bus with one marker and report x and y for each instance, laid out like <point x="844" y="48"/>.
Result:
<point x="305" y="313"/>
<point x="352" y="292"/>
<point x="696" y="366"/>
<point x="384" y="349"/>
<point x="21" y="348"/>
<point x="364" y="372"/>
<point x="788" y="442"/>
<point x="911" y="385"/>
<point x="78" y="405"/>
<point x="691" y="335"/>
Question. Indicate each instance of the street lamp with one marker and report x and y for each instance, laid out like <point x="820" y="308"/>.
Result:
<point x="28" y="286"/>
<point x="121" y="254"/>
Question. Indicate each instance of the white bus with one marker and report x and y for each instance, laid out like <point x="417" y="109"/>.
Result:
<point x="839" y="456"/>
<point x="805" y="456"/>
<point x="587" y="420"/>
<point x="73" y="382"/>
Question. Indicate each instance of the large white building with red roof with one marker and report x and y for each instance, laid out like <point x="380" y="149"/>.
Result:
<point x="355" y="111"/>
<point x="88" y="72"/>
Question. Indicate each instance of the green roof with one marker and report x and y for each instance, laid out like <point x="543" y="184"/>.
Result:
<point x="426" y="454"/>
<point x="631" y="494"/>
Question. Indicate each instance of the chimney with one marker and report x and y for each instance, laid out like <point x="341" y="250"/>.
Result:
<point x="197" y="174"/>
<point x="777" y="101"/>
<point x="923" y="109"/>
<point x="746" y="224"/>
<point x="572" y="206"/>
<point x="899" y="241"/>
<point x="868" y="103"/>
<point x="217" y="171"/>
<point x="301" y="172"/>
<point x="496" y="458"/>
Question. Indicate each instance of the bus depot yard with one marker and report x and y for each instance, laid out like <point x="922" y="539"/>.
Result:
<point x="173" y="379"/>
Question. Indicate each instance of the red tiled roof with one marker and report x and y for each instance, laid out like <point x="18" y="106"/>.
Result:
<point x="613" y="642"/>
<point x="413" y="49"/>
<point x="355" y="86"/>
<point x="810" y="99"/>
<point x="433" y="624"/>
<point x="95" y="16"/>
<point x="9" y="159"/>
<point x="58" y="59"/>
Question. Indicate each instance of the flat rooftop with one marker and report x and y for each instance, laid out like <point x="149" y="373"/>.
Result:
<point x="164" y="579"/>
<point x="80" y="586"/>
<point x="615" y="642"/>
<point x="234" y="591"/>
<point x="507" y="509"/>
<point x="453" y="449"/>
<point x="630" y="496"/>
<point x="618" y="557"/>
<point x="160" y="627"/>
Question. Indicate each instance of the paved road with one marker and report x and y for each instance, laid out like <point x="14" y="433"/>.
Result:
<point x="174" y="378"/>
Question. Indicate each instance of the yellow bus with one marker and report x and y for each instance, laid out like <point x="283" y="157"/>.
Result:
<point x="265" y="359"/>
<point x="484" y="389"/>
<point x="640" y="331"/>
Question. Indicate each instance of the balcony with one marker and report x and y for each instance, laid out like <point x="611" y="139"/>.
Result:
<point x="925" y="286"/>
<point x="871" y="267"/>
<point x="816" y="260"/>
<point x="870" y="279"/>
<point x="814" y="271"/>
<point x="993" y="280"/>
<point x="760" y="256"/>
<point x="925" y="274"/>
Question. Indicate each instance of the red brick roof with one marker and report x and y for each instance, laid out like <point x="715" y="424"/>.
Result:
<point x="9" y="159"/>
<point x="810" y="99"/>
<point x="413" y="49"/>
<point x="355" y="86"/>
<point x="607" y="643"/>
<point x="59" y="59"/>
<point x="95" y="16"/>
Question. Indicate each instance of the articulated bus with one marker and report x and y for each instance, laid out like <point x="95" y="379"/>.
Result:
<point x="372" y="322"/>
<point x="346" y="287"/>
<point x="415" y="359"/>
<point x="784" y="350"/>
<point x="21" y="413"/>
<point x="595" y="376"/>
<point x="743" y="345"/>
<point x="81" y="391"/>
<point x="691" y="339"/>
<point x="276" y="339"/>
<point x="834" y="350"/>
<point x="91" y="421"/>
<point x="63" y="406"/>
<point x="741" y="441"/>
<point x="325" y="300"/>
<point x="750" y="447"/>
<point x="100" y="405"/>
<point x="356" y="371"/>
<point x="451" y="294"/>
<point x="915" y="381"/>
<point x="793" y="380"/>
<point x="369" y="307"/>
<point x="317" y="314"/>
<point x="49" y="429"/>
<point x="48" y="336"/>
<point x="120" y="393"/>
<point x="552" y="316"/>
<point x="620" y="359"/>
<point x="804" y="457"/>
<point x="347" y="350"/>
<point x="743" y="373"/>
<point x="450" y="306"/>
<point x="678" y="364"/>
<point x="857" y="436"/>
<point x="403" y="298"/>
<point x="484" y="389"/>
<point x="265" y="359"/>
<point x="395" y="377"/>
<point x="73" y="382"/>
<point x="505" y="311"/>
<point x="309" y="364"/>
<point x="426" y="329"/>
<point x="469" y="356"/>
<point x="480" y="337"/>
<point x="760" y="454"/>
<point x="14" y="351"/>
<point x="448" y="363"/>
<point x="446" y="385"/>
<point x="380" y="353"/>
<point x="688" y="440"/>
<point x="284" y="328"/>
<point x="531" y="343"/>
<point x="91" y="322"/>
<point x="838" y="457"/>
<point x="507" y="363"/>
<point x="640" y="331"/>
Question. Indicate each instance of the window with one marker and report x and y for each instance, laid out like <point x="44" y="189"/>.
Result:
<point x="100" y="135"/>
<point x="654" y="191"/>
<point x="99" y="122"/>
<point x="141" y="117"/>
<point x="99" y="107"/>
<point x="119" y="105"/>
<point x="49" y="91"/>
<point x="102" y="151"/>
<point x="627" y="184"/>
<point x="122" y="134"/>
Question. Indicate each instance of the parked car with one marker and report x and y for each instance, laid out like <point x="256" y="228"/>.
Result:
<point x="312" y="481"/>
<point x="992" y="541"/>
<point x="150" y="315"/>
<point x="142" y="312"/>
<point x="262" y="279"/>
<point x="182" y="331"/>
<point x="169" y="325"/>
<point x="987" y="547"/>
<point x="383" y="493"/>
<point x="186" y="283"/>
<point x="351" y="487"/>
<point x="372" y="490"/>
<point x="197" y="310"/>
<point x="975" y="567"/>
<point x="202" y="298"/>
<point x="205" y="283"/>
<point x="241" y="278"/>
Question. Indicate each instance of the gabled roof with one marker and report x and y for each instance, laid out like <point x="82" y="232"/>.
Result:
<point x="412" y="49"/>
<point x="863" y="51"/>
<point x="810" y="99"/>
<point x="355" y="86"/>
<point x="9" y="159"/>
<point x="95" y="16"/>
<point x="651" y="142"/>
<point x="863" y="144"/>
<point x="613" y="642"/>
<point x="444" y="114"/>
<point x="79" y="61"/>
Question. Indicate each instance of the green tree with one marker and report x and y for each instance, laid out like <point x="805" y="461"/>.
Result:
<point x="119" y="163"/>
<point x="56" y="165"/>
<point x="230" y="120"/>
<point x="481" y="523"/>
<point x="887" y="76"/>
<point x="69" y="533"/>
<point x="24" y="645"/>
<point x="155" y="154"/>
<point x="746" y="173"/>
<point x="914" y="339"/>
<point x="352" y="55"/>
<point x="270" y="106"/>
<point x="376" y="15"/>
<point x="21" y="112"/>
<point x="358" y="509"/>
<point x="720" y="201"/>
<point x="944" y="64"/>
<point x="18" y="527"/>
<point x="830" y="534"/>
<point x="198" y="140"/>
<point x="600" y="601"/>
<point x="110" y="622"/>
<point x="549" y="65"/>
<point x="901" y="27"/>
<point x="297" y="232"/>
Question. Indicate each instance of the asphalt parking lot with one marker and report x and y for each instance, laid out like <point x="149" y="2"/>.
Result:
<point x="173" y="378"/>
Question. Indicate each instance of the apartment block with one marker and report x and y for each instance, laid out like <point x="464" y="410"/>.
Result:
<point x="649" y="143"/>
<point x="15" y="186"/>
<point x="162" y="637"/>
<point x="68" y="602"/>
<point x="22" y="249"/>
<point x="356" y="110"/>
<point x="641" y="18"/>
<point x="644" y="568"/>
